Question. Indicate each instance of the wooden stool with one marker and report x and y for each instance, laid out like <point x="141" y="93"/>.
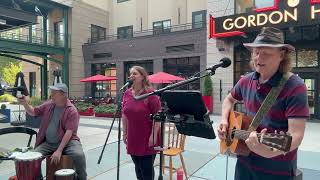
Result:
<point x="66" y="162"/>
<point x="64" y="174"/>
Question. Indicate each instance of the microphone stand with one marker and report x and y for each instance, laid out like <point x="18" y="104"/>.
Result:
<point x="178" y="84"/>
<point x="163" y="110"/>
<point x="115" y="115"/>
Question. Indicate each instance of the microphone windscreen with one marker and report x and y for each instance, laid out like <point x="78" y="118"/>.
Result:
<point x="226" y="62"/>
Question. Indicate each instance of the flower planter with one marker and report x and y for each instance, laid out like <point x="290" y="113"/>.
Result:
<point x="7" y="113"/>
<point x="88" y="112"/>
<point x="208" y="101"/>
<point x="108" y="115"/>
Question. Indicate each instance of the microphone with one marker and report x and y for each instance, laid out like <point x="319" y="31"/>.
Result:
<point x="224" y="62"/>
<point x="128" y="83"/>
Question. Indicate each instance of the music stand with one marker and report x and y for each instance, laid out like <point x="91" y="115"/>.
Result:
<point x="187" y="110"/>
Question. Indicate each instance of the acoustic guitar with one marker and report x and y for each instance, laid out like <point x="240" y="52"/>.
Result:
<point x="237" y="134"/>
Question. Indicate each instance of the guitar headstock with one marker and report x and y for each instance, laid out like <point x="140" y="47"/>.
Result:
<point x="280" y="141"/>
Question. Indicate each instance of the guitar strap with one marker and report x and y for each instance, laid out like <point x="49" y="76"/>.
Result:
<point x="268" y="102"/>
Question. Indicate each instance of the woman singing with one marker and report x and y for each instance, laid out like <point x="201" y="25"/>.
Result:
<point x="140" y="134"/>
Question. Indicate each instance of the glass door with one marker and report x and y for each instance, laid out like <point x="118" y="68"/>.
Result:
<point x="311" y="80"/>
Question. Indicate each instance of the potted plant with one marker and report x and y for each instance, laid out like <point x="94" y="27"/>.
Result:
<point x="33" y="121"/>
<point x="207" y="93"/>
<point x="84" y="109"/>
<point x="105" y="110"/>
<point x="6" y="112"/>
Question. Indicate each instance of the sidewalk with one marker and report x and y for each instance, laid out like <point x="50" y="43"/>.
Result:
<point x="202" y="157"/>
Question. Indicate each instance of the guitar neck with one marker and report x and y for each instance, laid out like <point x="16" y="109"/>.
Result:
<point x="243" y="134"/>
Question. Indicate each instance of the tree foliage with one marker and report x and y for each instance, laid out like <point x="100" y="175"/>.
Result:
<point x="207" y="86"/>
<point x="9" y="73"/>
<point x="5" y="64"/>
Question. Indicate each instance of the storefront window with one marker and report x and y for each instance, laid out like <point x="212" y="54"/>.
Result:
<point x="293" y="57"/>
<point x="183" y="67"/>
<point x="242" y="63"/>
<point x="146" y="64"/>
<point x="310" y="33"/>
<point x="293" y="34"/>
<point x="307" y="58"/>
<point x="104" y="89"/>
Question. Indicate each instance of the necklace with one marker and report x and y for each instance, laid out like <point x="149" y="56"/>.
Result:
<point x="137" y="93"/>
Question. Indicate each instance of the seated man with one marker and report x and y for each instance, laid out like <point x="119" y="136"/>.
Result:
<point x="58" y="129"/>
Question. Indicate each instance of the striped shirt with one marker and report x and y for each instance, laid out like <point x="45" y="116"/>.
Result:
<point x="291" y="103"/>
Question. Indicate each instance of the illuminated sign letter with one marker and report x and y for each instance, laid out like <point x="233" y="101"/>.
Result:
<point x="293" y="16"/>
<point x="236" y="22"/>
<point x="262" y="19"/>
<point x="228" y="26"/>
<point x="251" y="19"/>
<point x="313" y="12"/>
<point x="273" y="14"/>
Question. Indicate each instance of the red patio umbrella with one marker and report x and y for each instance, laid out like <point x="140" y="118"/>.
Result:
<point x="162" y="77"/>
<point x="98" y="77"/>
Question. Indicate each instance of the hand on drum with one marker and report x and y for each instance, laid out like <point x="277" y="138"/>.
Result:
<point x="55" y="158"/>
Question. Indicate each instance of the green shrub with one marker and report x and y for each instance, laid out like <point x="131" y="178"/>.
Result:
<point x="105" y="108"/>
<point x="207" y="86"/>
<point x="83" y="106"/>
<point x="3" y="106"/>
<point x="7" y="98"/>
<point x="35" y="101"/>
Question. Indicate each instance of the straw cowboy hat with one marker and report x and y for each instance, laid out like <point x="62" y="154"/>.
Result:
<point x="270" y="37"/>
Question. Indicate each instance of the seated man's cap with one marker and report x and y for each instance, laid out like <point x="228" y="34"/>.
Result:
<point x="59" y="87"/>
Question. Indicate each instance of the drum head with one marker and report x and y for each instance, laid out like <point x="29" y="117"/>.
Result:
<point x="28" y="156"/>
<point x="64" y="172"/>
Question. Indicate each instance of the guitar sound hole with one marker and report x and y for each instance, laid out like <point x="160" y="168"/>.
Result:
<point x="232" y="133"/>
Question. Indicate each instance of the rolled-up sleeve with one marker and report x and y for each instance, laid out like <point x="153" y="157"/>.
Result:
<point x="39" y="110"/>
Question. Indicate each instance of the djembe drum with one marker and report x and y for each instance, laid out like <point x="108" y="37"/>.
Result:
<point x="66" y="162"/>
<point x="64" y="174"/>
<point x="28" y="165"/>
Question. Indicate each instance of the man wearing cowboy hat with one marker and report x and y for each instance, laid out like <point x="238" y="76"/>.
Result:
<point x="269" y="60"/>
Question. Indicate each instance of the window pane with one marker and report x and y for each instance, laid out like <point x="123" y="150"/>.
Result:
<point x="125" y="32"/>
<point x="264" y="3"/>
<point x="293" y="34"/>
<point x="157" y="25"/>
<point x="310" y="33"/>
<point x="293" y="58"/>
<point x="166" y="24"/>
<point x="307" y="58"/>
<point x="244" y="6"/>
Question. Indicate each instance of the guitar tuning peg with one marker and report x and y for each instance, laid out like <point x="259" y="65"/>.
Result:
<point x="275" y="131"/>
<point x="288" y="133"/>
<point x="281" y="132"/>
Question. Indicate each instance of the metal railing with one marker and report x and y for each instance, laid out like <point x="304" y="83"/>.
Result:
<point x="35" y="36"/>
<point x="151" y="32"/>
